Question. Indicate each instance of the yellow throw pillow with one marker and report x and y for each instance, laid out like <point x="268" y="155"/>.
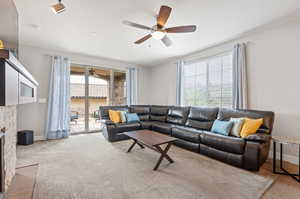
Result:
<point x="250" y="126"/>
<point x="114" y="116"/>
<point x="1" y="44"/>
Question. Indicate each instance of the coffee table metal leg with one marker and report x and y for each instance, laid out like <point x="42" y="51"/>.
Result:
<point x="281" y="151"/>
<point x="133" y="144"/>
<point x="163" y="155"/>
<point x="274" y="157"/>
<point x="141" y="145"/>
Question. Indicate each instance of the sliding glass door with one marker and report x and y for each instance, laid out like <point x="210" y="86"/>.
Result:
<point x="98" y="95"/>
<point x="92" y="87"/>
<point x="77" y="104"/>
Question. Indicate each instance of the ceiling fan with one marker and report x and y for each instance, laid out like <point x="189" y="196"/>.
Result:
<point x="159" y="31"/>
<point x="93" y="73"/>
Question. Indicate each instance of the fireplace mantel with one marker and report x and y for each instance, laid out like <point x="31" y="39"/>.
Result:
<point x="17" y="84"/>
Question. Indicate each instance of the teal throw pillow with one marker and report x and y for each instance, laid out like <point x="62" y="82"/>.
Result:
<point x="123" y="116"/>
<point x="132" y="117"/>
<point x="222" y="127"/>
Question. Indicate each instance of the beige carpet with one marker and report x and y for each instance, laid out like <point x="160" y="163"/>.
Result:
<point x="89" y="167"/>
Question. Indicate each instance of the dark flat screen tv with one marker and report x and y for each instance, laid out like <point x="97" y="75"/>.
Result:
<point x="9" y="27"/>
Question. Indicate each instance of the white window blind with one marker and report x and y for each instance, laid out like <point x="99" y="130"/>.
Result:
<point x="208" y="82"/>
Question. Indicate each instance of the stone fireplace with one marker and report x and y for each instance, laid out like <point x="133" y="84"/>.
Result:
<point x="8" y="119"/>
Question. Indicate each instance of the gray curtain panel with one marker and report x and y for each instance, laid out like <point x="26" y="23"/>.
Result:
<point x="58" y="118"/>
<point x="240" y="90"/>
<point x="179" y="66"/>
<point x="131" y="85"/>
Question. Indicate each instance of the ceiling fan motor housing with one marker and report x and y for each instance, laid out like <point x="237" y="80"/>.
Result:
<point x="156" y="28"/>
<point x="157" y="32"/>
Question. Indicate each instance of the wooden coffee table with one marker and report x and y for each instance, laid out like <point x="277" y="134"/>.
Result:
<point x="152" y="140"/>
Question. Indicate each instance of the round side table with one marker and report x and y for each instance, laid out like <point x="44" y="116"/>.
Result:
<point x="285" y="140"/>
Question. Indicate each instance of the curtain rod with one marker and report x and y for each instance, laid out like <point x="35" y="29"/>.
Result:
<point x="208" y="56"/>
<point x="97" y="65"/>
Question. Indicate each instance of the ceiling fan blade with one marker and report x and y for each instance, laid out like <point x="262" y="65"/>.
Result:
<point x="143" y="39"/>
<point x="166" y="40"/>
<point x="132" y="24"/>
<point x="181" y="29"/>
<point x="163" y="15"/>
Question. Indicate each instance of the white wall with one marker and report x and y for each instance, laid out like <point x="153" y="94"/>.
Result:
<point x="38" y="62"/>
<point x="163" y="84"/>
<point x="273" y="55"/>
<point x="144" y="79"/>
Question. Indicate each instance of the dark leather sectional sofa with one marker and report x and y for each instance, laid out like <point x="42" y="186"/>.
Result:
<point x="192" y="125"/>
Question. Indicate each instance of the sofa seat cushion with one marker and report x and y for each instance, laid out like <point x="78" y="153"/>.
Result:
<point x="186" y="133"/>
<point x="223" y="143"/>
<point x="187" y="145"/>
<point x="123" y="127"/>
<point x="229" y="158"/>
<point x="162" y="127"/>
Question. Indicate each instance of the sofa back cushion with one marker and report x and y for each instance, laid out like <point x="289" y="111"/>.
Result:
<point x="202" y="117"/>
<point x="104" y="110"/>
<point x="159" y="113"/>
<point x="178" y="115"/>
<point x="142" y="111"/>
<point x="268" y="117"/>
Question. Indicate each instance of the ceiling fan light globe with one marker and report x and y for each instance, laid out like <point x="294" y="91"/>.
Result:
<point x="158" y="35"/>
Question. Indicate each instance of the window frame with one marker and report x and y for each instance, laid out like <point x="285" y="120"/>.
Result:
<point x="206" y="61"/>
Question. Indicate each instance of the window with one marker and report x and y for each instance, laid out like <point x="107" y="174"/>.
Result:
<point x="208" y="82"/>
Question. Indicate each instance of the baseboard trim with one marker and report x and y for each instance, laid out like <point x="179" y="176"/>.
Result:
<point x="288" y="158"/>
<point x="39" y="138"/>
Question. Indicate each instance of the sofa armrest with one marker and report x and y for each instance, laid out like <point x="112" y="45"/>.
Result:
<point x="255" y="154"/>
<point x="108" y="122"/>
<point x="252" y="156"/>
<point x="258" y="137"/>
